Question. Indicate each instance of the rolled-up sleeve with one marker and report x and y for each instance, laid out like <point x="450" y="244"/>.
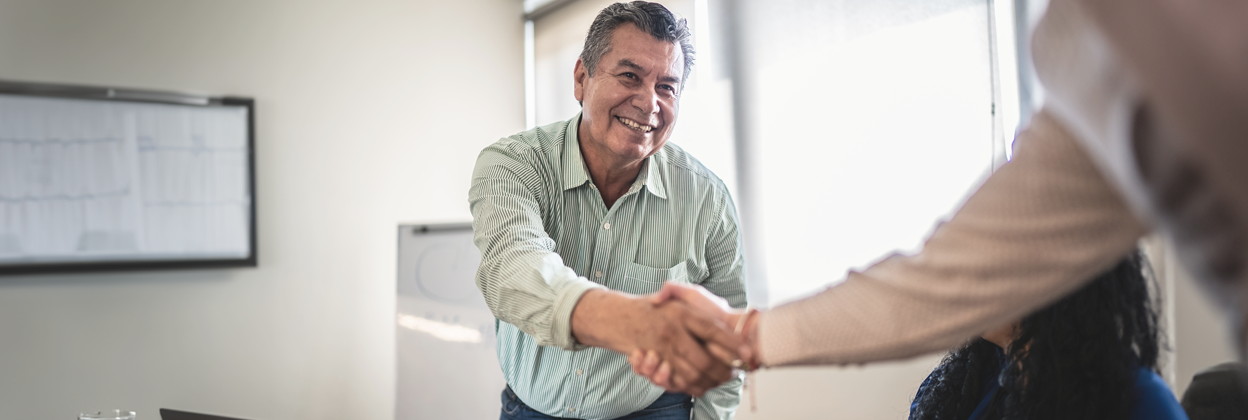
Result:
<point x="524" y="282"/>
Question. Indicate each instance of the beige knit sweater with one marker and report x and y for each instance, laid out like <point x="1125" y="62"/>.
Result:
<point x="1094" y="169"/>
<point x="1038" y="228"/>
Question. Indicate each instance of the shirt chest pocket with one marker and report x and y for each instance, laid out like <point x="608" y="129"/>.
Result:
<point x="640" y="279"/>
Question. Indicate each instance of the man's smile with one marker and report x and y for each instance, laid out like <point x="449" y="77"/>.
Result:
<point x="636" y="126"/>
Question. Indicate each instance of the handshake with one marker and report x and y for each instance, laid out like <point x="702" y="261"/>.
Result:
<point x="682" y="338"/>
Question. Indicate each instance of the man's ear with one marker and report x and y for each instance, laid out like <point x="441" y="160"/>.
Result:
<point x="580" y="75"/>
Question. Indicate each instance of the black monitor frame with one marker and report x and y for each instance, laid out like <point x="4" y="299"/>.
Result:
<point x="48" y="90"/>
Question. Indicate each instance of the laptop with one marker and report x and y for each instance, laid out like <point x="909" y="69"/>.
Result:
<point x="167" y="414"/>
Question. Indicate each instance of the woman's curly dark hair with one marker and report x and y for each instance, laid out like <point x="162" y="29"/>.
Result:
<point x="1075" y="359"/>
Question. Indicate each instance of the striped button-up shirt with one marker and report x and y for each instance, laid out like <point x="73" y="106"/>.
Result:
<point x="546" y="238"/>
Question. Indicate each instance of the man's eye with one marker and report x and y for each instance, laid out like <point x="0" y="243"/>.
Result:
<point x="629" y="75"/>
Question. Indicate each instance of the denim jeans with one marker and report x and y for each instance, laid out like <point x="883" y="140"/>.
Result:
<point x="669" y="406"/>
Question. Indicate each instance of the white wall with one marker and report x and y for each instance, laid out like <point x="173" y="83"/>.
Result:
<point x="370" y="112"/>
<point x="1201" y="337"/>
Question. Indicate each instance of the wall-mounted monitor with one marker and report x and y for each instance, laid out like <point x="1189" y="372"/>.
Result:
<point x="95" y="178"/>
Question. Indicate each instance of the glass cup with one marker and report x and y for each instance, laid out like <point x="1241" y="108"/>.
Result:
<point x="107" y="415"/>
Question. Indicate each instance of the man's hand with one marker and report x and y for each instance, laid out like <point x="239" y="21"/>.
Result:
<point x="672" y="330"/>
<point x="652" y="365"/>
<point x="699" y="298"/>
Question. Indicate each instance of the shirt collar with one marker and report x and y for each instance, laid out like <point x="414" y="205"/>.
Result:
<point x="576" y="174"/>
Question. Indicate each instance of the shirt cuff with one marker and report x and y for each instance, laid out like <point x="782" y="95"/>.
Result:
<point x="565" y="302"/>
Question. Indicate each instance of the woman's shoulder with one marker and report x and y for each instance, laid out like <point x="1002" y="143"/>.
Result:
<point x="1156" y="401"/>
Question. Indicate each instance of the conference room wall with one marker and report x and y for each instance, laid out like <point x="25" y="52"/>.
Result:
<point x="369" y="113"/>
<point x="1200" y="337"/>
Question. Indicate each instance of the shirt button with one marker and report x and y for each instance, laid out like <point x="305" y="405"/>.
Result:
<point x="578" y="371"/>
<point x="606" y="226"/>
<point x="598" y="274"/>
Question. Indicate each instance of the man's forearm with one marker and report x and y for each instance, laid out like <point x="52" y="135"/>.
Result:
<point x="607" y="319"/>
<point x="680" y="335"/>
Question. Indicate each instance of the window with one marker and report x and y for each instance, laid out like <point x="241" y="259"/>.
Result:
<point x="845" y="128"/>
<point x="871" y="120"/>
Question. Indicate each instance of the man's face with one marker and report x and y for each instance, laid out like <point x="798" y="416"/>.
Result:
<point x="629" y="104"/>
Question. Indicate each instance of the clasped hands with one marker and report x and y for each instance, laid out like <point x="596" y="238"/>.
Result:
<point x="682" y="338"/>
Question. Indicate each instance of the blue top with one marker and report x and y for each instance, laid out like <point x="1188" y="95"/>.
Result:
<point x="1155" y="401"/>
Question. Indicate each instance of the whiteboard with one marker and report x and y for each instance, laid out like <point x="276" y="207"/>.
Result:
<point x="89" y="182"/>
<point x="446" y="364"/>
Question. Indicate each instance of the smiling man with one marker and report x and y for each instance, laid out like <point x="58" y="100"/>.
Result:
<point x="575" y="220"/>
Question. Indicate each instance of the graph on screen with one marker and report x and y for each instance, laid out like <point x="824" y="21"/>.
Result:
<point x="91" y="181"/>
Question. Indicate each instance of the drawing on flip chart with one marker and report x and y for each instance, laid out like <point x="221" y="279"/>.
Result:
<point x="88" y="180"/>
<point x="448" y="260"/>
<point x="446" y="364"/>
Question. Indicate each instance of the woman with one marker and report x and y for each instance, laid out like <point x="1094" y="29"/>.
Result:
<point x="1072" y="200"/>
<point x="1091" y="355"/>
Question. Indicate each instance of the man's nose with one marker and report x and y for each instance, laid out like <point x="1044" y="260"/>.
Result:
<point x="647" y="100"/>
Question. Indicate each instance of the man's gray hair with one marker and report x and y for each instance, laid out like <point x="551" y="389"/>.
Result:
<point x="651" y="18"/>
